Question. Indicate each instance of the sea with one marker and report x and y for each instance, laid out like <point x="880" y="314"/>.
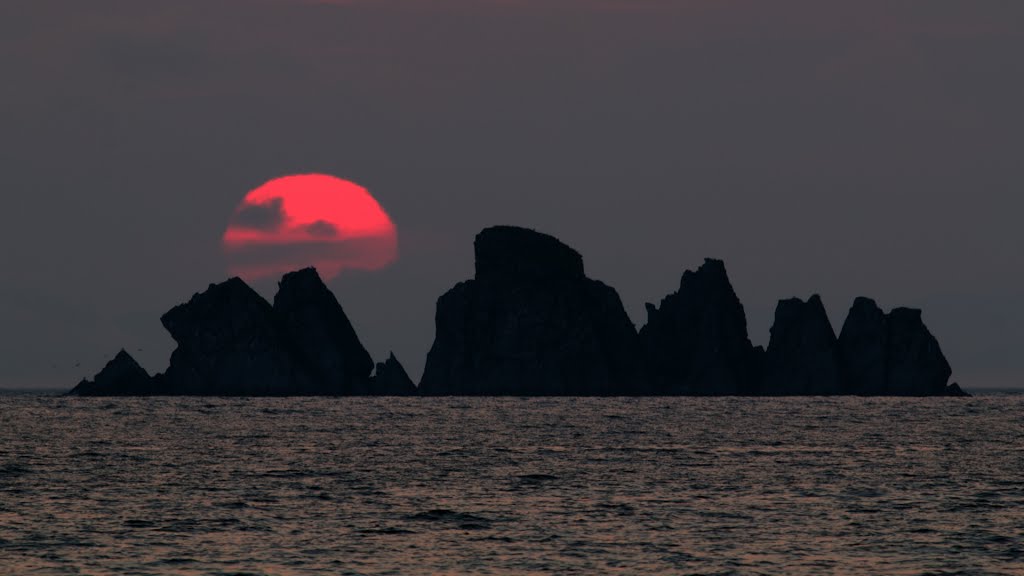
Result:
<point x="294" y="486"/>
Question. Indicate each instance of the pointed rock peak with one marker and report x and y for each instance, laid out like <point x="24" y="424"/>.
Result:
<point x="120" y="376"/>
<point x="696" y="342"/>
<point x="389" y="363"/>
<point x="124" y="357"/>
<point x="711" y="274"/>
<point x="391" y="378"/>
<point x="125" y="360"/>
<point x="507" y="253"/>
<point x="320" y="333"/>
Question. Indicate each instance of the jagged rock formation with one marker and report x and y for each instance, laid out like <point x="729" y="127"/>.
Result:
<point x="891" y="354"/>
<point x="122" y="376"/>
<point x="230" y="343"/>
<point x="391" y="379"/>
<point x="529" y="323"/>
<point x="696" y="342"/>
<point x="803" y="356"/>
<point x="321" y="335"/>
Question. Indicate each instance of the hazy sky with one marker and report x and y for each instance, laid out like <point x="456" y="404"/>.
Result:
<point x="845" y="148"/>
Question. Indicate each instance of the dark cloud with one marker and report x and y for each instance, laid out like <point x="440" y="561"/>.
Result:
<point x="322" y="229"/>
<point x="262" y="260"/>
<point x="268" y="216"/>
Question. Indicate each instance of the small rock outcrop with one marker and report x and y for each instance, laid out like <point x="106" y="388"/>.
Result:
<point x="696" y="342"/>
<point x="321" y="335"/>
<point x="955" y="390"/>
<point x="391" y="379"/>
<point x="803" y="356"/>
<point x="122" y="376"/>
<point x="891" y="354"/>
<point x="529" y="323"/>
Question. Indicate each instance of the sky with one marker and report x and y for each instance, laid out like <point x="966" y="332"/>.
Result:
<point x="842" y="148"/>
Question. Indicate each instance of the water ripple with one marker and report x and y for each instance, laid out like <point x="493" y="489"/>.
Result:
<point x="427" y="485"/>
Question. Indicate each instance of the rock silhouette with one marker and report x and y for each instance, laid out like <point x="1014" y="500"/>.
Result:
<point x="529" y="323"/>
<point x="696" y="342"/>
<point x="390" y="379"/>
<point x="230" y="343"/>
<point x="122" y="376"/>
<point x="892" y="354"/>
<point x="321" y="335"/>
<point x="803" y="356"/>
<point x="863" y="346"/>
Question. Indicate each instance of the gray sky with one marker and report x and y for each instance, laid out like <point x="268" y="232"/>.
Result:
<point x="846" y="148"/>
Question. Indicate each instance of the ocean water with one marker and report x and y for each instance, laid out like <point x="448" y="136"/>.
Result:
<point x="454" y="485"/>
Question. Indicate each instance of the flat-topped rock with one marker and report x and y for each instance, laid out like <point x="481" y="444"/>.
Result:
<point x="511" y="254"/>
<point x="529" y="323"/>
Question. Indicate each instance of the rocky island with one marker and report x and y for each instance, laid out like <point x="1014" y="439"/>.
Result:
<point x="232" y="342"/>
<point x="531" y="323"/>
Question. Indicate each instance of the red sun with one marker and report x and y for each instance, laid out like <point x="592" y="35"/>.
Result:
<point x="308" y="220"/>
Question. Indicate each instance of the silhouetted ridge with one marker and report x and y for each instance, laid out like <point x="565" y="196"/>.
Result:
<point x="696" y="341"/>
<point x="529" y="323"/>
<point x="122" y="376"/>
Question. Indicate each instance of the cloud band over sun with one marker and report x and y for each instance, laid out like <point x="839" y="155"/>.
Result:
<point x="308" y="220"/>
